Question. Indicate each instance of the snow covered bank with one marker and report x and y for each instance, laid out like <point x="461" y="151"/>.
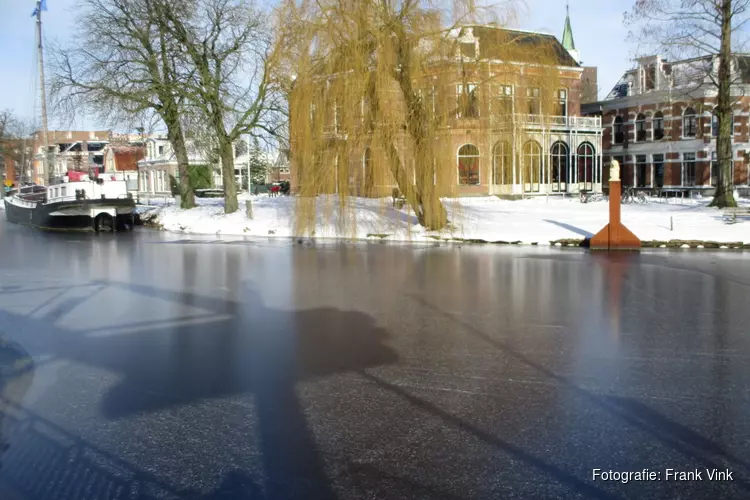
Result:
<point x="538" y="220"/>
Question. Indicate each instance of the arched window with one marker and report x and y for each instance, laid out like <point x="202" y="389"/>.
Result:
<point x="586" y="162"/>
<point x="532" y="165"/>
<point x="617" y="130"/>
<point x="640" y="127"/>
<point x="468" y="165"/>
<point x="559" y="162"/>
<point x="502" y="164"/>
<point x="658" y="125"/>
<point x="689" y="125"/>
<point x="715" y="124"/>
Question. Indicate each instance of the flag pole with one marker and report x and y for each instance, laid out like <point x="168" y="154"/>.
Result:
<point x="46" y="170"/>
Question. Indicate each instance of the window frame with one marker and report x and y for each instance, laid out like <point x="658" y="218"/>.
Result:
<point x="504" y="93"/>
<point x="618" y="130"/>
<point x="472" y="97"/>
<point x="506" y="163"/>
<point x="562" y="101"/>
<point x="687" y="165"/>
<point x="559" y="153"/>
<point x="477" y="157"/>
<point x="534" y="96"/>
<point x="689" y="123"/>
<point x="640" y="128"/>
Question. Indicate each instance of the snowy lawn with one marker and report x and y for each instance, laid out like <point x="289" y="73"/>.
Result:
<point x="538" y="220"/>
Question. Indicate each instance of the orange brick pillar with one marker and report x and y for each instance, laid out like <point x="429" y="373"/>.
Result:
<point x="615" y="236"/>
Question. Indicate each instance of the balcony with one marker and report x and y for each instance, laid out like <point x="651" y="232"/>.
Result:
<point x="560" y="122"/>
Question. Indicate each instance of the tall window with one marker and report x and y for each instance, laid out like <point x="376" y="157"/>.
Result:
<point x="650" y="77"/>
<point x="688" y="169"/>
<point x="559" y="161"/>
<point x="533" y="100"/>
<point x="658" y="125"/>
<point x="468" y="100"/>
<point x="562" y="103"/>
<point x="617" y="130"/>
<point x="689" y="123"/>
<point x="468" y="165"/>
<point x="532" y="165"/>
<point x="640" y="171"/>
<point x="715" y="124"/>
<point x="640" y="127"/>
<point x="502" y="164"/>
<point x="658" y="164"/>
<point x="502" y="105"/>
<point x="586" y="161"/>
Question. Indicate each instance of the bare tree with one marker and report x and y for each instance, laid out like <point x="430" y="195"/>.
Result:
<point x="7" y="123"/>
<point x="229" y="48"/>
<point x="15" y="153"/>
<point x="704" y="30"/>
<point x="121" y="66"/>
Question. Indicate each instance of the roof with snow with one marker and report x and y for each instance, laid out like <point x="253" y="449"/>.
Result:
<point x="518" y="46"/>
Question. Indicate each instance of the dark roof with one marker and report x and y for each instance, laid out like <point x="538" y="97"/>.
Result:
<point x="520" y="46"/>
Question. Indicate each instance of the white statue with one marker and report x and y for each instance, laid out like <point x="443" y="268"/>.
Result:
<point x="614" y="170"/>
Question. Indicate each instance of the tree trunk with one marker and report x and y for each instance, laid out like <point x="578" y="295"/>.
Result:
<point x="429" y="209"/>
<point x="434" y="215"/>
<point x="724" y="196"/>
<point x="177" y="140"/>
<point x="227" y="175"/>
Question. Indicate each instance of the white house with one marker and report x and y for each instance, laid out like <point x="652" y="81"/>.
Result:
<point x="160" y="163"/>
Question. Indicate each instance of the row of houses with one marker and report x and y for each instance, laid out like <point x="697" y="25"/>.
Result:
<point x="147" y="163"/>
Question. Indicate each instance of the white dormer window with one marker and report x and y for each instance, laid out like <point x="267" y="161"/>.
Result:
<point x="468" y="49"/>
<point x="469" y="44"/>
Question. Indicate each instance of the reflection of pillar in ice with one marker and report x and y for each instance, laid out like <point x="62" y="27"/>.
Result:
<point x="615" y="236"/>
<point x="614" y="277"/>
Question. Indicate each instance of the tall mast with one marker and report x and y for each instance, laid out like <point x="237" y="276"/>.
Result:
<point x="46" y="170"/>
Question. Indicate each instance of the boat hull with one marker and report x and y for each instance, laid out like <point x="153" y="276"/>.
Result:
<point x="71" y="215"/>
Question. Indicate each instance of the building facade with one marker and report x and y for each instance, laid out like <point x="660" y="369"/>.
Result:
<point x="122" y="159"/>
<point x="160" y="164"/>
<point x="75" y="150"/>
<point x="659" y="123"/>
<point x="503" y="136"/>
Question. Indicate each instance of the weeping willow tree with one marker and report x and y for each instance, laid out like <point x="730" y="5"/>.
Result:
<point x="379" y="91"/>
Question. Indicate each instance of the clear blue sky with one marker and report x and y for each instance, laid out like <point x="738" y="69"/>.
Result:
<point x="599" y="34"/>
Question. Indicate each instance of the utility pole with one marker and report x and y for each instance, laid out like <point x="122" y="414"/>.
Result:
<point x="248" y="164"/>
<point x="46" y="170"/>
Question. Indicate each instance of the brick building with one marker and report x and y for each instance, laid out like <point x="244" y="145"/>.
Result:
<point x="505" y="135"/>
<point x="69" y="150"/>
<point x="659" y="124"/>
